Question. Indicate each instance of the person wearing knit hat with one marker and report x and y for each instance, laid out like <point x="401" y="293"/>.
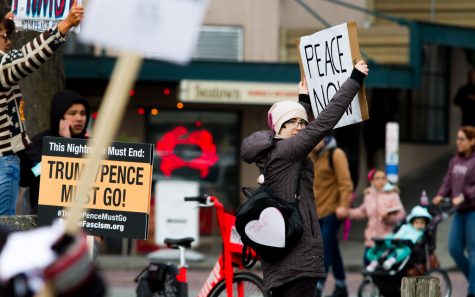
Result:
<point x="284" y="111"/>
<point x="283" y="149"/>
<point x="389" y="254"/>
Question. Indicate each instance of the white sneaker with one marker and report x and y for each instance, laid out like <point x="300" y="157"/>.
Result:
<point x="372" y="266"/>
<point x="389" y="263"/>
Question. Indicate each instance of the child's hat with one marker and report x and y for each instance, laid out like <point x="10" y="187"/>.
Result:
<point x="419" y="212"/>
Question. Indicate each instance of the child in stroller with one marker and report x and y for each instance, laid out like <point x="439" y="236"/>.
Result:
<point x="421" y="261"/>
<point x="390" y="252"/>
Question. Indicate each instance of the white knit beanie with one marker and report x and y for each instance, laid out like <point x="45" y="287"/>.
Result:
<point x="281" y="112"/>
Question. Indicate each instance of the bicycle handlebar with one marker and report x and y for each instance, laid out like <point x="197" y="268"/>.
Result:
<point x="203" y="199"/>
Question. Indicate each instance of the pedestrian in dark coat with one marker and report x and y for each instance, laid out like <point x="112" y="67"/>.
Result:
<point x="288" y="144"/>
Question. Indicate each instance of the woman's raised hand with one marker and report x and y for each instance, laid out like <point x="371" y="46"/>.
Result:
<point x="362" y="67"/>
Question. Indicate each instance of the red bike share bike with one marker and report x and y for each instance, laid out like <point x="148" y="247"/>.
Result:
<point x="227" y="278"/>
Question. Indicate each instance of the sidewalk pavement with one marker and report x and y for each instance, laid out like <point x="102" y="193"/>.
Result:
<point x="352" y="252"/>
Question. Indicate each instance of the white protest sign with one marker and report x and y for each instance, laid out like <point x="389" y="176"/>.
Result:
<point x="40" y="15"/>
<point x="161" y="29"/>
<point x="175" y="218"/>
<point x="327" y="58"/>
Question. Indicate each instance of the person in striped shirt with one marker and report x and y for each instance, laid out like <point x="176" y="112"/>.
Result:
<point x="16" y="64"/>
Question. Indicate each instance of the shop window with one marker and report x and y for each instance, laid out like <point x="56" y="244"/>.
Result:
<point x="424" y="113"/>
<point x="198" y="146"/>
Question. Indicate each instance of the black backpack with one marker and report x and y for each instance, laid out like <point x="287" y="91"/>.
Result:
<point x="157" y="279"/>
<point x="264" y="205"/>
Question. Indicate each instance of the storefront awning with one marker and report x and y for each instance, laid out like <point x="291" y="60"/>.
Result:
<point x="89" y="67"/>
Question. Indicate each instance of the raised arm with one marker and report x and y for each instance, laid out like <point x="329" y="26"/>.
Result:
<point x="19" y="63"/>
<point x="302" y="144"/>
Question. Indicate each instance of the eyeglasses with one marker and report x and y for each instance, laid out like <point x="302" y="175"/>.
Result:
<point x="294" y="123"/>
<point x="5" y="37"/>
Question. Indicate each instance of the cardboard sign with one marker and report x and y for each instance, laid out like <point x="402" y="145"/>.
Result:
<point x="40" y="15"/>
<point x="161" y="29"/>
<point x="118" y="202"/>
<point x="326" y="60"/>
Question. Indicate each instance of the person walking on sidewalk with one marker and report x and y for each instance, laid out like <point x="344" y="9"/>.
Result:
<point x="286" y="147"/>
<point x="459" y="184"/>
<point x="332" y="188"/>
<point x="465" y="99"/>
<point x="381" y="206"/>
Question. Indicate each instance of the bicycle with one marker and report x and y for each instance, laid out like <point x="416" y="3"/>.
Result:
<point x="244" y="283"/>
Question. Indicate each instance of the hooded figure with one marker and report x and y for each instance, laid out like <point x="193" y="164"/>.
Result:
<point x="67" y="113"/>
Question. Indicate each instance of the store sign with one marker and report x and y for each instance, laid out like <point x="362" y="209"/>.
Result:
<point x="117" y="204"/>
<point x="326" y="60"/>
<point x="202" y="91"/>
<point x="41" y="14"/>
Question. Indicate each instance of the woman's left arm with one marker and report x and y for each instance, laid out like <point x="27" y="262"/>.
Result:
<point x="303" y="143"/>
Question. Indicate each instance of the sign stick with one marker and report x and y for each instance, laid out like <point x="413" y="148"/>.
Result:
<point x="110" y="116"/>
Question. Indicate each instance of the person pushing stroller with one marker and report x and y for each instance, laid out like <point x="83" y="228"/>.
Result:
<point x="389" y="253"/>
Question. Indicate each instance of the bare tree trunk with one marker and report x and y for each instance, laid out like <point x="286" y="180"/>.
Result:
<point x="38" y="88"/>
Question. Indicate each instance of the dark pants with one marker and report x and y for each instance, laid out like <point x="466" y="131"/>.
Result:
<point x="330" y="226"/>
<point x="301" y="287"/>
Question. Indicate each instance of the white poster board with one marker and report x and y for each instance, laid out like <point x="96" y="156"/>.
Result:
<point x="161" y="29"/>
<point x="392" y="152"/>
<point x="327" y="59"/>
<point x="175" y="218"/>
<point x="41" y="14"/>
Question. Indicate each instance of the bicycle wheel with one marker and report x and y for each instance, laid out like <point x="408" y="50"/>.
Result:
<point x="251" y="284"/>
<point x="445" y="284"/>
<point x="368" y="289"/>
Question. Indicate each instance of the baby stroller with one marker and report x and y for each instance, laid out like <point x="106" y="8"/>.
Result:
<point x="422" y="261"/>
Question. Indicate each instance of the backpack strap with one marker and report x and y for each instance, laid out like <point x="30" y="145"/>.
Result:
<point x="296" y="181"/>
<point x="330" y="158"/>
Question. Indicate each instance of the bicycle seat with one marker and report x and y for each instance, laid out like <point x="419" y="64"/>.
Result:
<point x="174" y="243"/>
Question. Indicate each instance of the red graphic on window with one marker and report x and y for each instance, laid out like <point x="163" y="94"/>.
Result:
<point x="179" y="135"/>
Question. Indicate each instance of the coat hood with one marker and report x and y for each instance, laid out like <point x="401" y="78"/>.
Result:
<point x="255" y="146"/>
<point x="62" y="101"/>
<point x="419" y="212"/>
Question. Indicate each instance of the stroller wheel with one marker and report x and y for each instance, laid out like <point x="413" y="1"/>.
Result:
<point x="368" y="288"/>
<point x="445" y="284"/>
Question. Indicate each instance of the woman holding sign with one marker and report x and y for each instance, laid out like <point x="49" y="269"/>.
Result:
<point x="289" y="141"/>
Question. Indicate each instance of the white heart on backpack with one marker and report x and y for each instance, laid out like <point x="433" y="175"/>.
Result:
<point x="269" y="230"/>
